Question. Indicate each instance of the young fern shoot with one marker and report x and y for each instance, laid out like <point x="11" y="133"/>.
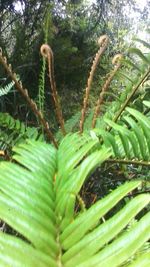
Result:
<point x="25" y="94"/>
<point x="41" y="84"/>
<point x="103" y="42"/>
<point x="117" y="62"/>
<point x="47" y="52"/>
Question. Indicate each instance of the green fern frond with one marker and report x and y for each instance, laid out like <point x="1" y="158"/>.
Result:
<point x="38" y="201"/>
<point x="71" y="125"/>
<point x="6" y="89"/>
<point x="130" y="63"/>
<point x="14" y="131"/>
<point x="139" y="53"/>
<point x="142" y="42"/>
<point x="142" y="261"/>
<point x="129" y="139"/>
<point x="146" y="103"/>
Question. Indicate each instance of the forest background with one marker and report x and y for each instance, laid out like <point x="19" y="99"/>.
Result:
<point x="71" y="28"/>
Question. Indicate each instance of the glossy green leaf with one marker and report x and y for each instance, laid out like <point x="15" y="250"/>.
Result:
<point x="41" y="208"/>
<point x="75" y="231"/>
<point x="104" y="233"/>
<point x="122" y="248"/>
<point x="142" y="260"/>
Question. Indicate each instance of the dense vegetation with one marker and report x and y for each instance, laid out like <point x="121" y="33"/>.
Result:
<point x="75" y="158"/>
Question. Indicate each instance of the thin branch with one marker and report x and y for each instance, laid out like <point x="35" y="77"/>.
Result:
<point x="138" y="193"/>
<point x="130" y="161"/>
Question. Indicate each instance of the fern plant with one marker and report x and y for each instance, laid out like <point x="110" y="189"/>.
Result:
<point x="130" y="141"/>
<point x="39" y="203"/>
<point x="131" y="85"/>
<point x="40" y="188"/>
<point x="13" y="132"/>
<point x="41" y="94"/>
<point x="5" y="90"/>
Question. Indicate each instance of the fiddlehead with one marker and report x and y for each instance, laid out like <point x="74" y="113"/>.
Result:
<point x="117" y="62"/>
<point x="47" y="52"/>
<point x="25" y="94"/>
<point x="103" y="42"/>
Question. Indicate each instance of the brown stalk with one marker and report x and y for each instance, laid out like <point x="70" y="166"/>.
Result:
<point x="117" y="62"/>
<point x="47" y="52"/>
<point x="130" y="161"/>
<point x="103" y="42"/>
<point x="30" y="102"/>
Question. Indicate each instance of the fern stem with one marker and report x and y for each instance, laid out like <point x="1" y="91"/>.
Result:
<point x="116" y="61"/>
<point x="46" y="52"/>
<point x="30" y="102"/>
<point x="103" y="42"/>
<point x="42" y="86"/>
<point x="81" y="202"/>
<point x="132" y="161"/>
<point x="46" y="27"/>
